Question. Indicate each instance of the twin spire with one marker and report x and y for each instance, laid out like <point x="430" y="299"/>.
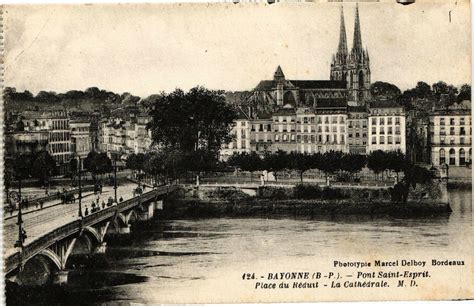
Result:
<point x="357" y="43"/>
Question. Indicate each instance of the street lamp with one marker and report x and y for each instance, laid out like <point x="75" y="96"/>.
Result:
<point x="21" y="231"/>
<point x="79" y="171"/>
<point x="115" y="179"/>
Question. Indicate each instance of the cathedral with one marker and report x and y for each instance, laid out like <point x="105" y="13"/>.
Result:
<point x="353" y="67"/>
<point x="349" y="81"/>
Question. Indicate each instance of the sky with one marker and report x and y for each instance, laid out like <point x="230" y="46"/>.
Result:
<point x="148" y="48"/>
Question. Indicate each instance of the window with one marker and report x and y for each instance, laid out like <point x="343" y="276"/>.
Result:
<point x="341" y="120"/>
<point x="462" y="157"/>
<point x="320" y="129"/>
<point x="389" y="140"/>
<point x="277" y="138"/>
<point x="320" y="138"/>
<point x="462" y="131"/>
<point x="252" y="128"/>
<point x="389" y="120"/>
<point x="441" y="121"/>
<point x="452" y="157"/>
<point x="390" y="131"/>
<point x="461" y="140"/>
<point x="397" y="130"/>
<point x="442" y="140"/>
<point x="327" y="129"/>
<point x="292" y="137"/>
<point x="305" y="138"/>
<point x="305" y="119"/>
<point x="397" y="120"/>
<point x="312" y="120"/>
<point x="327" y="138"/>
<point x="374" y="121"/>
<point x="397" y="139"/>
<point x="382" y="121"/>
<point x="451" y="131"/>
<point x="382" y="130"/>
<point x="374" y="140"/>
<point x="334" y="129"/>
<point x="461" y="121"/>
<point x="357" y="135"/>
<point x="452" y="121"/>
<point x="451" y="141"/>
<point x="285" y="137"/>
<point x="313" y="139"/>
<point x="350" y="135"/>
<point x="342" y="129"/>
<point x="374" y="130"/>
<point x="298" y="138"/>
<point x="326" y="119"/>
<point x="382" y="140"/>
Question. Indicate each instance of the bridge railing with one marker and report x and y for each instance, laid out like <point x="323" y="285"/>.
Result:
<point x="41" y="243"/>
<point x="36" y="246"/>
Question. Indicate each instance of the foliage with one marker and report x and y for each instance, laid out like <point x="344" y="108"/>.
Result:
<point x="464" y="93"/>
<point x="385" y="91"/>
<point x="197" y="119"/>
<point x="316" y="192"/>
<point x="97" y="164"/>
<point x="413" y="175"/>
<point x="43" y="166"/>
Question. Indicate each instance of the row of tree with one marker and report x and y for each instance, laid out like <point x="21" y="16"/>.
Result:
<point x="330" y="162"/>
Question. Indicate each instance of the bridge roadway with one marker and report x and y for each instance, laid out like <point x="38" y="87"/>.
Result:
<point x="43" y="227"/>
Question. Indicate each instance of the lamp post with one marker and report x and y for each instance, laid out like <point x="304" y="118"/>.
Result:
<point x="21" y="231"/>
<point x="79" y="181"/>
<point x="115" y="179"/>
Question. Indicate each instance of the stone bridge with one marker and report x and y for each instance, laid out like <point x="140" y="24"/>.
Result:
<point x="45" y="259"/>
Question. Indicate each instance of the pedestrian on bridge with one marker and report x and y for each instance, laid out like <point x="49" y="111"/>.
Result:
<point x="103" y="204"/>
<point x="86" y="213"/>
<point x="41" y="204"/>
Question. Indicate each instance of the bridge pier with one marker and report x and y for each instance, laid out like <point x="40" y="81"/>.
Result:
<point x="60" y="277"/>
<point x="101" y="248"/>
<point x="147" y="211"/>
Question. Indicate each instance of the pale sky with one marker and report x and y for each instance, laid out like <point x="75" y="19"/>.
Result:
<point x="144" y="49"/>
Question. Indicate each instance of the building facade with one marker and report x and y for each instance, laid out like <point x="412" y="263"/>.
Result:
<point x="81" y="143"/>
<point x="357" y="134"/>
<point x="386" y="127"/>
<point x="450" y="135"/>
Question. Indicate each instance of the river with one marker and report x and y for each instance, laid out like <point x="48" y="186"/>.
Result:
<point x="172" y="258"/>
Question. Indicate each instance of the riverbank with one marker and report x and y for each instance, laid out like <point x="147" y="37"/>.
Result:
<point x="195" y="208"/>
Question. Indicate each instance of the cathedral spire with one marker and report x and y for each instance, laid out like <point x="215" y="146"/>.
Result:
<point x="357" y="45"/>
<point x="342" y="49"/>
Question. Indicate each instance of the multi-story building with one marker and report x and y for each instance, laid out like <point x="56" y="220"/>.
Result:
<point x="306" y="130"/>
<point x="240" y="139"/>
<point x="261" y="135"/>
<point x="284" y="129"/>
<point x="357" y="129"/>
<point x="80" y="137"/>
<point x="56" y="123"/>
<point x="113" y="137"/>
<point x="387" y="127"/>
<point x="21" y="142"/>
<point x="450" y="135"/>
<point x="331" y="119"/>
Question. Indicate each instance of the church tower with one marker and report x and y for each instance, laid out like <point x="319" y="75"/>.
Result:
<point x="353" y="67"/>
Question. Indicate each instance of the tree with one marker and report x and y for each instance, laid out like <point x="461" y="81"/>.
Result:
<point x="377" y="162"/>
<point x="197" y="119"/>
<point x="413" y="175"/>
<point x="444" y="93"/>
<point x="301" y="162"/>
<point x="97" y="164"/>
<point x="330" y="162"/>
<point x="396" y="161"/>
<point x="464" y="93"/>
<point x="250" y="162"/>
<point x="275" y="162"/>
<point x="352" y="163"/>
<point x="384" y="91"/>
<point x="43" y="166"/>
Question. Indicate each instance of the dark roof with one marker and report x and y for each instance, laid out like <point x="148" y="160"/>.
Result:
<point x="384" y="104"/>
<point x="266" y="85"/>
<point x="303" y="84"/>
<point x="331" y="102"/>
<point x="356" y="109"/>
<point x="308" y="84"/>
<point x="285" y="111"/>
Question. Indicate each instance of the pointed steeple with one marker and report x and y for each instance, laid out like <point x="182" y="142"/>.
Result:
<point x="342" y="49"/>
<point x="278" y="74"/>
<point x="357" y="45"/>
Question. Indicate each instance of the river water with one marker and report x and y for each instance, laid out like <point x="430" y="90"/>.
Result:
<point x="170" y="259"/>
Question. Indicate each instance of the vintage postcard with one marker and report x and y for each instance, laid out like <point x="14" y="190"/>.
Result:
<point x="236" y="152"/>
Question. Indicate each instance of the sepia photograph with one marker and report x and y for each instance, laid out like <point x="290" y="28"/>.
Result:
<point x="236" y="152"/>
